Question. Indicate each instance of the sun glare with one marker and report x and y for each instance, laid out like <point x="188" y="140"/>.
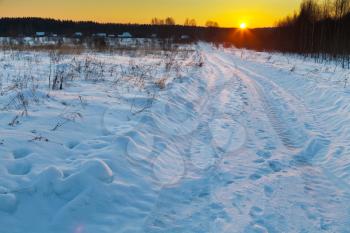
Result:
<point x="243" y="25"/>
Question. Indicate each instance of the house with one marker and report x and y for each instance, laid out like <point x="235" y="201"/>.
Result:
<point x="40" y="34"/>
<point x="78" y="34"/>
<point x="125" y="35"/>
<point x="101" y="34"/>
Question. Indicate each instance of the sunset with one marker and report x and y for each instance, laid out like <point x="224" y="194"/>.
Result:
<point x="243" y="26"/>
<point x="186" y="116"/>
<point x="228" y="13"/>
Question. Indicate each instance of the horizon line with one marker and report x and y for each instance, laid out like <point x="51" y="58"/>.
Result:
<point x="130" y="24"/>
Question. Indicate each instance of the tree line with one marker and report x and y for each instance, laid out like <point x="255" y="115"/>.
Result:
<point x="28" y="26"/>
<point x="319" y="29"/>
<point x="188" y="22"/>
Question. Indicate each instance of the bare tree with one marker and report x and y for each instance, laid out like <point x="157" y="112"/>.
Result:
<point x="190" y="22"/>
<point x="211" y="24"/>
<point x="169" y="21"/>
<point x="156" y="21"/>
<point x="341" y="8"/>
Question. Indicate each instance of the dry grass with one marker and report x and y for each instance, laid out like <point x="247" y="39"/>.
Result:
<point x="62" y="49"/>
<point x="161" y="83"/>
<point x="73" y="46"/>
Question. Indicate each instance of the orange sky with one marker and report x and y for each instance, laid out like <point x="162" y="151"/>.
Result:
<point x="228" y="13"/>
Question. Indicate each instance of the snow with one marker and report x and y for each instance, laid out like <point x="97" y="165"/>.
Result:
<point x="248" y="142"/>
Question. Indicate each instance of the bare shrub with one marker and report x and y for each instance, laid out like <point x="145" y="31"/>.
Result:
<point x="161" y="83"/>
<point x="66" y="118"/>
<point x="93" y="69"/>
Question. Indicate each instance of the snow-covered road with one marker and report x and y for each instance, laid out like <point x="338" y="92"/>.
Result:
<point x="268" y="157"/>
<point x="289" y="174"/>
<point x="240" y="145"/>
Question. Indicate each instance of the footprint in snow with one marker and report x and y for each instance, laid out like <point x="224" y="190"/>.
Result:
<point x="202" y="155"/>
<point x="8" y="201"/>
<point x="19" y="168"/>
<point x="72" y="144"/>
<point x="168" y="167"/>
<point x="228" y="136"/>
<point x="21" y="153"/>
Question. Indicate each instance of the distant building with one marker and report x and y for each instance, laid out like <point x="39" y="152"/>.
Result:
<point x="111" y="35"/>
<point x="125" y="35"/>
<point x="40" y="34"/>
<point x="185" y="37"/>
<point x="154" y="36"/>
<point x="101" y="34"/>
<point x="78" y="34"/>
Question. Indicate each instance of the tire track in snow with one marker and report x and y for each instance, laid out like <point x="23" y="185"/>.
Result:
<point x="302" y="158"/>
<point x="278" y="108"/>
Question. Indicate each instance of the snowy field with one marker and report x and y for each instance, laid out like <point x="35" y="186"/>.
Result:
<point x="196" y="139"/>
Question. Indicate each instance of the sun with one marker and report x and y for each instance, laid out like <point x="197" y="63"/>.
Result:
<point x="243" y="26"/>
